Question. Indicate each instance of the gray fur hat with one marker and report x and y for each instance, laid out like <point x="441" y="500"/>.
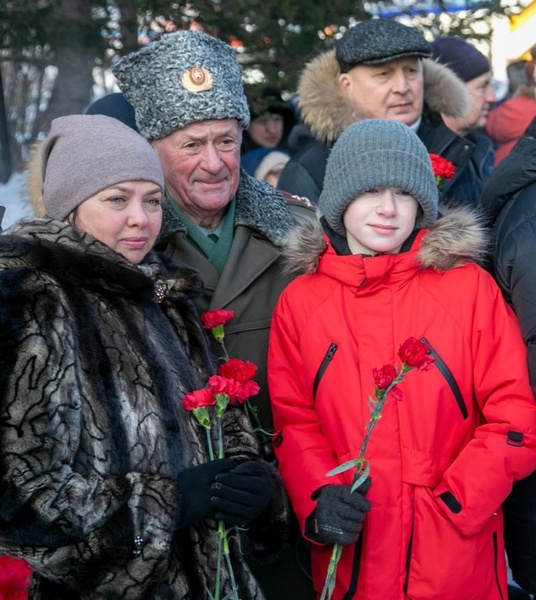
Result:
<point x="377" y="153"/>
<point x="183" y="78"/>
<point x="377" y="41"/>
<point x="84" y="154"/>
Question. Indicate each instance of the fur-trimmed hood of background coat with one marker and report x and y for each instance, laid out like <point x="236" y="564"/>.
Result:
<point x="327" y="112"/>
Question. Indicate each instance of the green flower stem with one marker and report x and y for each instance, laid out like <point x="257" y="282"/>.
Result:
<point x="375" y="414"/>
<point x="209" y="443"/>
<point x="223" y="541"/>
<point x="227" y="555"/>
<point x="329" y="583"/>
<point x="221" y="451"/>
<point x="224" y="350"/>
<point x="252" y="411"/>
<point x="216" y="595"/>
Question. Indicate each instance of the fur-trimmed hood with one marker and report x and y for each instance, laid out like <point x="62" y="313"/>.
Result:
<point x="454" y="239"/>
<point x="258" y="206"/>
<point x="79" y="259"/>
<point x="328" y="113"/>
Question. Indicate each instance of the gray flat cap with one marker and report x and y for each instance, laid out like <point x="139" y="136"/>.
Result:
<point x="185" y="77"/>
<point x="378" y="41"/>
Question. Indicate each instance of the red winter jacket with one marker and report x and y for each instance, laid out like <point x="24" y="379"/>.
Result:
<point x="445" y="457"/>
<point x="507" y="123"/>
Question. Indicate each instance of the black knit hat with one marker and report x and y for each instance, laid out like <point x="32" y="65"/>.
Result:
<point x="114" y="105"/>
<point x="378" y="41"/>
<point x="460" y="56"/>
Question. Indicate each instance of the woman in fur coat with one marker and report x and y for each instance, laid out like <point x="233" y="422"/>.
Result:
<point x="427" y="525"/>
<point x="107" y="488"/>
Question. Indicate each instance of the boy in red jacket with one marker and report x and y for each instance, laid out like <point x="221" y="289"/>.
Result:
<point x="381" y="268"/>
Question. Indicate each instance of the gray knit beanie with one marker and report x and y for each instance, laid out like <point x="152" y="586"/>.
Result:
<point x="84" y="154"/>
<point x="377" y="153"/>
<point x="185" y="77"/>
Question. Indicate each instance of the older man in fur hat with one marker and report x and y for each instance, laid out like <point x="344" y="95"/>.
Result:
<point x="381" y="69"/>
<point x="187" y="93"/>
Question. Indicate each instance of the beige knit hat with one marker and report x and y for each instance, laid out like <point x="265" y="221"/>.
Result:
<point x="84" y="154"/>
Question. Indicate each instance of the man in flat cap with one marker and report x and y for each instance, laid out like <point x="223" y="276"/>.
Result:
<point x="187" y="93"/>
<point x="379" y="69"/>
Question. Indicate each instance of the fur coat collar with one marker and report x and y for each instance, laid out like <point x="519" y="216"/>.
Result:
<point x="79" y="259"/>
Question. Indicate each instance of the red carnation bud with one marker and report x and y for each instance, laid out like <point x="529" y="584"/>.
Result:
<point x="216" y="317"/>
<point x="385" y="376"/>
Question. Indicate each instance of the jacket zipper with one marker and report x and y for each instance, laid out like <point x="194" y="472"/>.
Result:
<point x="409" y="553"/>
<point x="449" y="378"/>
<point x="323" y="366"/>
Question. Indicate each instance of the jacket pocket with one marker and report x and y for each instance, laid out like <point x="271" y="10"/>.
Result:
<point x="442" y="564"/>
<point x="442" y="367"/>
<point x="328" y="357"/>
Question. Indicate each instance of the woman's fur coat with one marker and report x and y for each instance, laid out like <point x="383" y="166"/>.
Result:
<point x="93" y="366"/>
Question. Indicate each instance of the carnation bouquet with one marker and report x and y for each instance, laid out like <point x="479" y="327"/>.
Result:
<point x="232" y="384"/>
<point x="414" y="354"/>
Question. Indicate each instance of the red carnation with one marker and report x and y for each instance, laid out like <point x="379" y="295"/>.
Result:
<point x="384" y="377"/>
<point x="247" y="389"/>
<point x="14" y="578"/>
<point x="213" y="318"/>
<point x="442" y="167"/>
<point x="198" y="399"/>
<point x="239" y="370"/>
<point x="415" y="354"/>
<point x="224" y="385"/>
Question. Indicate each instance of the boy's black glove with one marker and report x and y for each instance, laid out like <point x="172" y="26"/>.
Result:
<point x="241" y="494"/>
<point x="339" y="514"/>
<point x="194" y="485"/>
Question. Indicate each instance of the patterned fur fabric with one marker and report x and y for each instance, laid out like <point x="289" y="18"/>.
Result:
<point x="92" y="431"/>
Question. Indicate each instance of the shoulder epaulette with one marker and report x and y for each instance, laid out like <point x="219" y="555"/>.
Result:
<point x="298" y="200"/>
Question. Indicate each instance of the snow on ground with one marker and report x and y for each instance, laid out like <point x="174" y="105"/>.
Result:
<point x="13" y="196"/>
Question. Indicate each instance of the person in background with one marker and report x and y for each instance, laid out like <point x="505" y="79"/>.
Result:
<point x="271" y="119"/>
<point x="507" y="123"/>
<point x="381" y="69"/>
<point x="187" y="93"/>
<point x="474" y="69"/>
<point x="108" y="490"/>
<point x="265" y="164"/>
<point x="509" y="200"/>
<point x="114" y="105"/>
<point x="378" y="270"/>
<point x="516" y="75"/>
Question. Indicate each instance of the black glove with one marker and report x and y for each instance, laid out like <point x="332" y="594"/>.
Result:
<point x="241" y="494"/>
<point x="338" y="517"/>
<point x="194" y="484"/>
